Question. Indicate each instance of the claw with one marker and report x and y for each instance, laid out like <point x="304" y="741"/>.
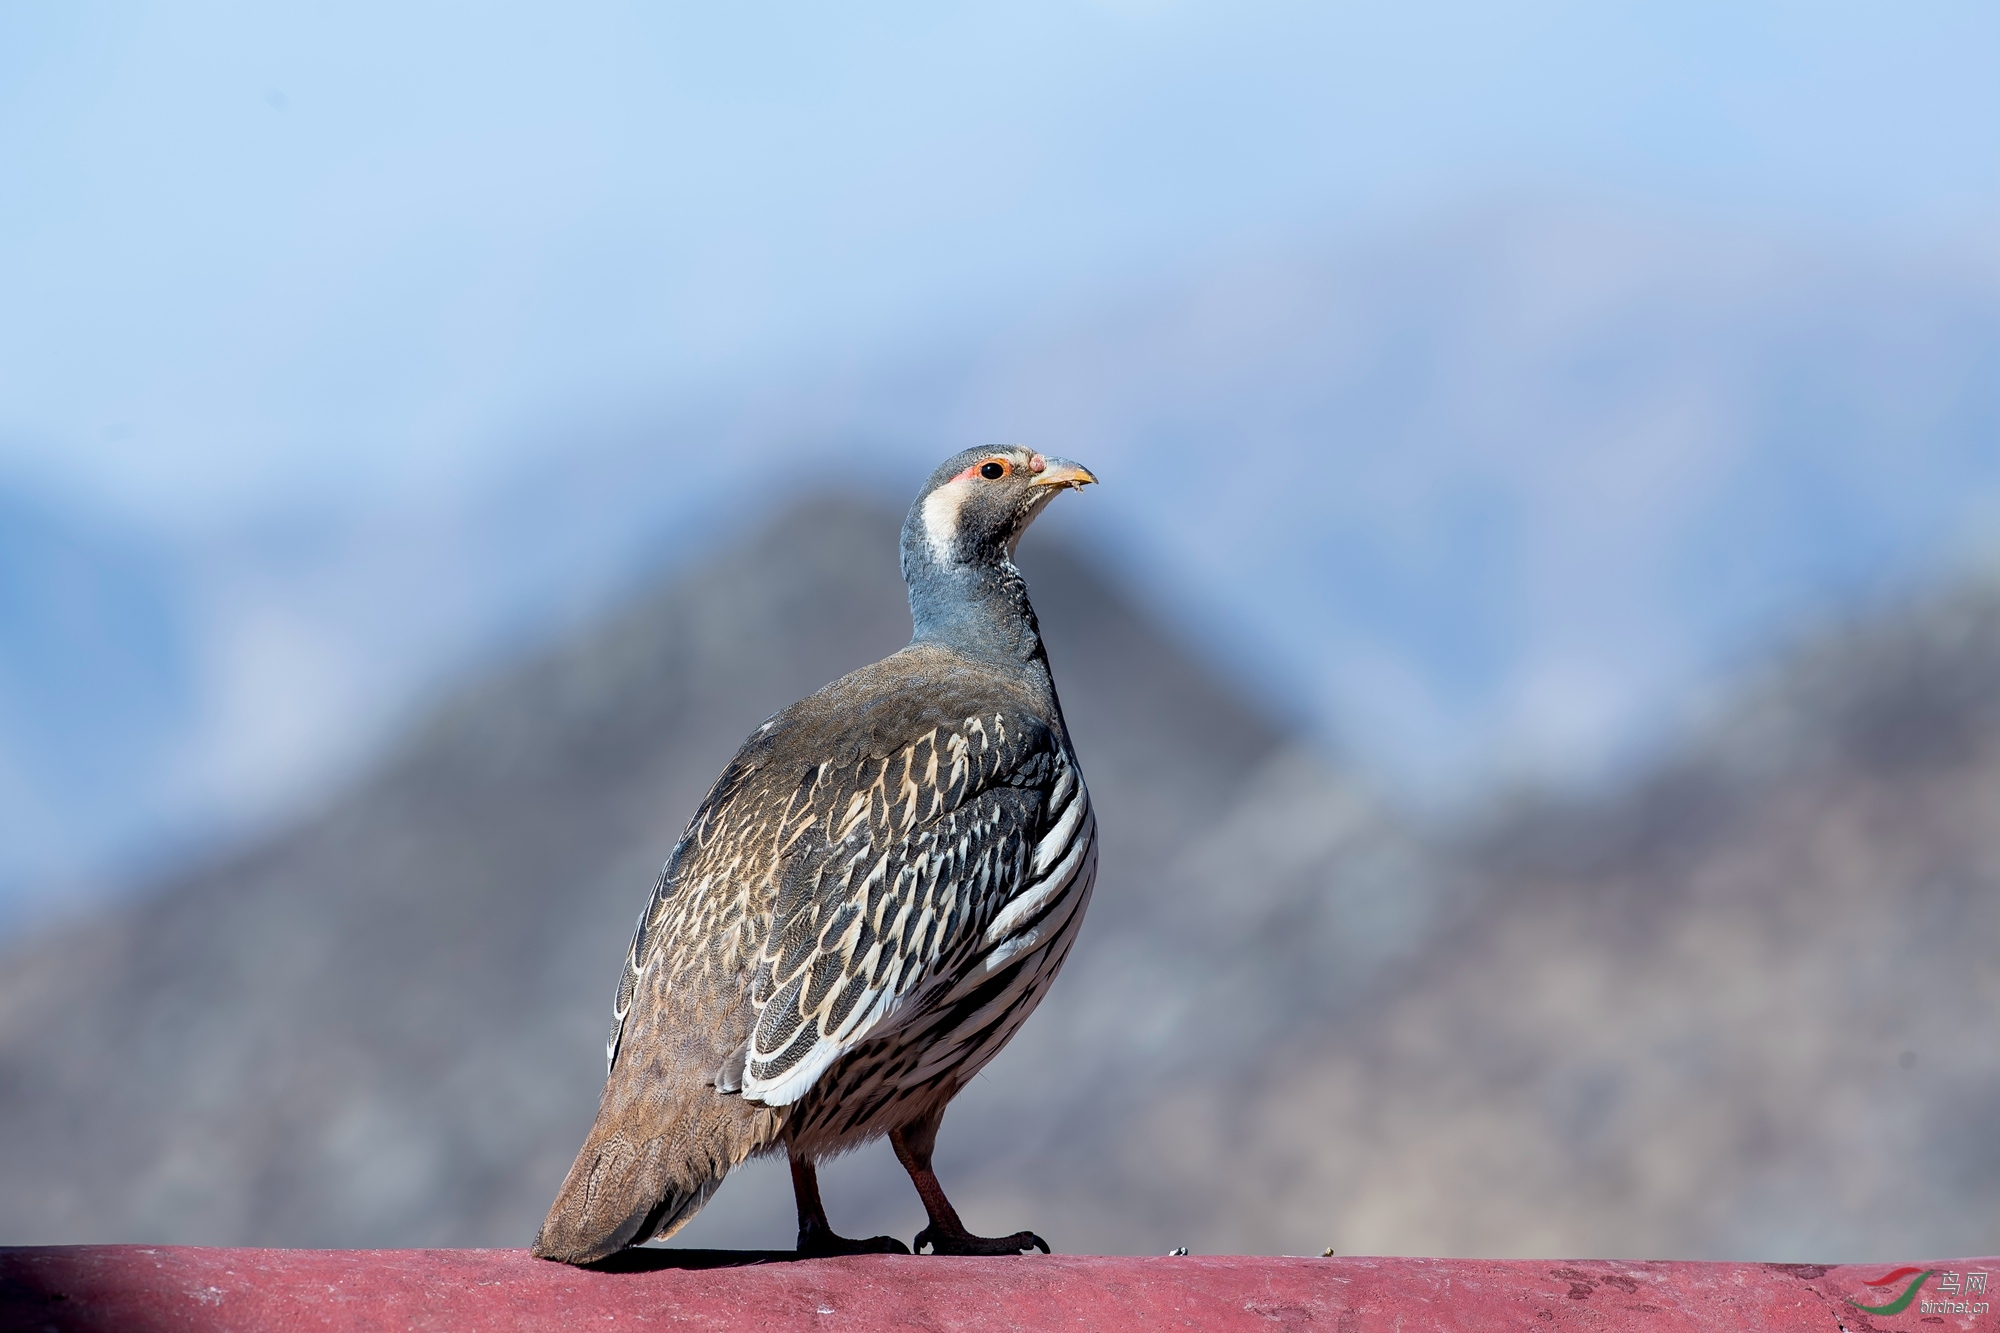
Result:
<point x="941" y="1242"/>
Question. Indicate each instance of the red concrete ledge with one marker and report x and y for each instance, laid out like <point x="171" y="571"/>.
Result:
<point x="137" y="1289"/>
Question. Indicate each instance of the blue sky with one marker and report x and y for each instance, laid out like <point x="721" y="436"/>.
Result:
<point x="248" y="249"/>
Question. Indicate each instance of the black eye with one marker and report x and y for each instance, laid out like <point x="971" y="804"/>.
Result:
<point x="992" y="471"/>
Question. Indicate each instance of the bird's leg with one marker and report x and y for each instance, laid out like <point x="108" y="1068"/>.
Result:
<point x="816" y="1238"/>
<point x="946" y="1234"/>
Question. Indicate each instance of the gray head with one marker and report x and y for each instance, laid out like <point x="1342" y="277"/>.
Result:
<point x="959" y="540"/>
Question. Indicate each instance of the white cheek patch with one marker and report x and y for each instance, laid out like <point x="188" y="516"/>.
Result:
<point x="941" y="509"/>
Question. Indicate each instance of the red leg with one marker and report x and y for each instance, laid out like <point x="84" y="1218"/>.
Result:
<point x="816" y="1237"/>
<point x="946" y="1234"/>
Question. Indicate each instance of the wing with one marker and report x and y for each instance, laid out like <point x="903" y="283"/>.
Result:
<point x="926" y="860"/>
<point x="703" y="916"/>
<point x="814" y="900"/>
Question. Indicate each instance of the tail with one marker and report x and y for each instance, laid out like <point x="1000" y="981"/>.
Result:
<point x="619" y="1194"/>
<point x="647" y="1169"/>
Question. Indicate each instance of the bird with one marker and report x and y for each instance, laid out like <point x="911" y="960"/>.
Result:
<point x="869" y="902"/>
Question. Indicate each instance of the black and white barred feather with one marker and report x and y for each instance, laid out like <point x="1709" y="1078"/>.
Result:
<point x="902" y="912"/>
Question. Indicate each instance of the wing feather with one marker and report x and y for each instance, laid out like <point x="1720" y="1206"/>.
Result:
<point x="947" y="839"/>
<point x="848" y="887"/>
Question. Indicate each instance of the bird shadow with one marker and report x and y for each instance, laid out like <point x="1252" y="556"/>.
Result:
<point x="645" y="1259"/>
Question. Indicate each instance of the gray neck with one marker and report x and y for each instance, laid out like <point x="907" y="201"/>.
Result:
<point x="978" y="607"/>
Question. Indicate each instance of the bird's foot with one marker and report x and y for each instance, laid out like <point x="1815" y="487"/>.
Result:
<point x="964" y="1242"/>
<point x="823" y="1244"/>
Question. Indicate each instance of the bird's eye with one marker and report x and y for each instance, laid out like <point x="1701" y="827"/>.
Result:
<point x="993" y="469"/>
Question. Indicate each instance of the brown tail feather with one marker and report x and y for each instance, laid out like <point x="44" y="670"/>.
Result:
<point x="645" y="1172"/>
<point x="615" y="1196"/>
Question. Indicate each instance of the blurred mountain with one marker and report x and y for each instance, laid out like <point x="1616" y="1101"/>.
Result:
<point x="1744" y="1008"/>
<point x="386" y="1024"/>
<point x="1493" y="493"/>
<point x="165" y="692"/>
<point x="1741" y="1007"/>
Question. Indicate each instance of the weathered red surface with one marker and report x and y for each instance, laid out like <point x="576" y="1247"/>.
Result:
<point x="135" y="1289"/>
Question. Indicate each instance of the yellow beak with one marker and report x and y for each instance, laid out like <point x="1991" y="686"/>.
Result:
<point x="1062" y="472"/>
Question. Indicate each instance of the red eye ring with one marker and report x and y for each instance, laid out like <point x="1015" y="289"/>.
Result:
<point x="992" y="469"/>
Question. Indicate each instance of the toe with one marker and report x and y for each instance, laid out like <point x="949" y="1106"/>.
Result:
<point x="941" y="1243"/>
<point x="824" y="1245"/>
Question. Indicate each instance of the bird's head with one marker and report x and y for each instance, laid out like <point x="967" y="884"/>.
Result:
<point x="958" y="548"/>
<point x="975" y="507"/>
